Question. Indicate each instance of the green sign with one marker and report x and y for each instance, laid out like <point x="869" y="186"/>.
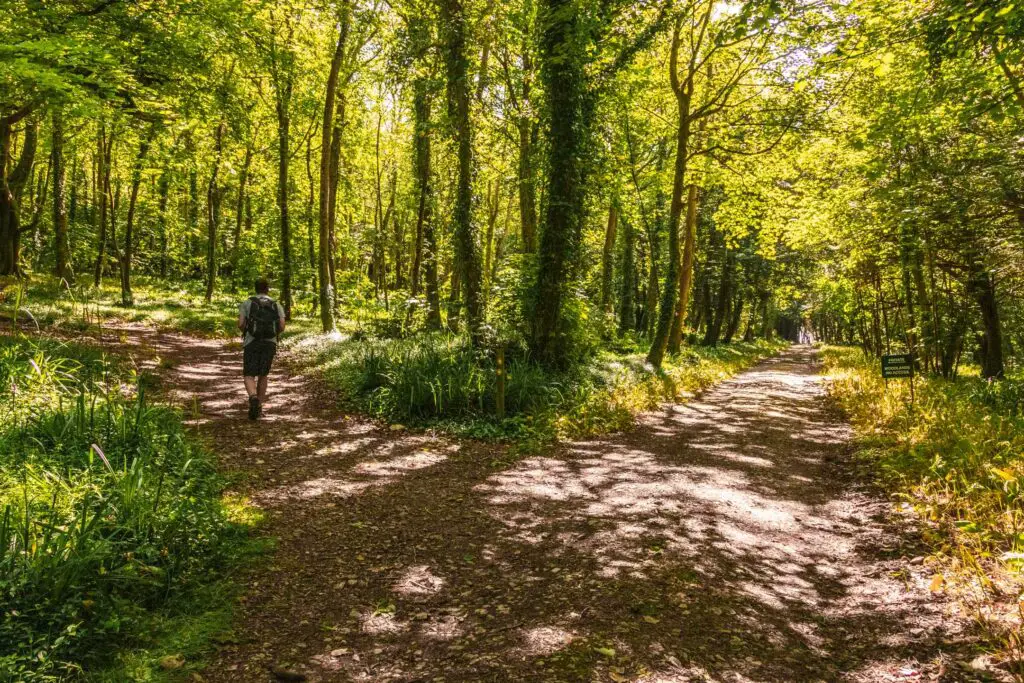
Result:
<point x="898" y="366"/>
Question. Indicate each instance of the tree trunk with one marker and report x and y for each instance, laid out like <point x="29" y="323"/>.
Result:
<point x="11" y="185"/>
<point x="493" y="210"/>
<point x="734" y="319"/>
<point x="627" y="313"/>
<point x="128" y="250"/>
<point x="213" y="195"/>
<point x="684" y="93"/>
<point x="243" y="188"/>
<point x="983" y="287"/>
<point x="323" y="273"/>
<point x="570" y="103"/>
<point x="104" y="145"/>
<point x="283" y="132"/>
<point x="311" y="224"/>
<point x="467" y="250"/>
<point x="335" y="174"/>
<point x="608" y="259"/>
<point x="426" y="242"/>
<point x="164" y="190"/>
<point x="60" y="212"/>
<point x="686" y="275"/>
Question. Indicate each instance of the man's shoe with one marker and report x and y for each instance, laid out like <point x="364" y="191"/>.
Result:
<point x="254" y="408"/>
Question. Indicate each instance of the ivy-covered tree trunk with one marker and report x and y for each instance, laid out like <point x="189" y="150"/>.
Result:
<point x="570" y="105"/>
<point x="62" y="250"/>
<point x="459" y="95"/>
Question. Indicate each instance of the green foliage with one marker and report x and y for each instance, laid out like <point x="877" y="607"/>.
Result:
<point x="162" y="304"/>
<point x="957" y="455"/>
<point x="440" y="381"/>
<point x="109" y="515"/>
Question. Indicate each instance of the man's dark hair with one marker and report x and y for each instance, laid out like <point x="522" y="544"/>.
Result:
<point x="262" y="286"/>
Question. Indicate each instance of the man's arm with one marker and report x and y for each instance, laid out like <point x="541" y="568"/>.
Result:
<point x="241" y="322"/>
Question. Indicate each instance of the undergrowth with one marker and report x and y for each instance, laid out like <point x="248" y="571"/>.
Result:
<point x="440" y="381"/>
<point x="51" y="303"/>
<point x="114" y="534"/>
<point x="956" y="457"/>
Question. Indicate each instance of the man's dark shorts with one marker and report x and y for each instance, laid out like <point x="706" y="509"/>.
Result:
<point x="257" y="357"/>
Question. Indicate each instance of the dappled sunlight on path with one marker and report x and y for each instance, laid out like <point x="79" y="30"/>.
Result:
<point x="718" y="541"/>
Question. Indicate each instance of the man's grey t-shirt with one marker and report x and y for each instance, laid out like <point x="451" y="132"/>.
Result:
<point x="243" y="309"/>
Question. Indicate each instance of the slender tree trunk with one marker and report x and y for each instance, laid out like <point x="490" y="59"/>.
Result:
<point x="323" y="273"/>
<point x="128" y="250"/>
<point x="467" y="251"/>
<point x="213" y="195"/>
<point x="164" y="190"/>
<point x="627" y="313"/>
<point x="734" y="319"/>
<point x="243" y="189"/>
<point x="60" y="213"/>
<point x="335" y="172"/>
<point x="311" y="227"/>
<point x="686" y="275"/>
<point x="684" y="93"/>
<point x="426" y="242"/>
<point x="104" y="144"/>
<point x="493" y="209"/>
<point x="608" y="260"/>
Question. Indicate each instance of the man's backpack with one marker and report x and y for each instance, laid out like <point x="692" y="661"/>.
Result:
<point x="262" y="320"/>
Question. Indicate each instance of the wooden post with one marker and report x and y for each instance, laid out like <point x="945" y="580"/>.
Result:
<point x="499" y="397"/>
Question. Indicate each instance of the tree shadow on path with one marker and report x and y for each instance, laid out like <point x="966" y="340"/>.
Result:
<point x="719" y="540"/>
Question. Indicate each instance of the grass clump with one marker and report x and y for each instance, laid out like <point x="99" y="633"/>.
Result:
<point x="440" y="380"/>
<point x="111" y="523"/>
<point x="956" y="458"/>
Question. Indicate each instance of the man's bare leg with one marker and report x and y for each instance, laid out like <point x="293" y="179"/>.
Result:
<point x="250" y="385"/>
<point x="261" y="388"/>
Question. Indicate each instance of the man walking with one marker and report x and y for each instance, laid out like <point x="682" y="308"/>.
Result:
<point x="261" y="321"/>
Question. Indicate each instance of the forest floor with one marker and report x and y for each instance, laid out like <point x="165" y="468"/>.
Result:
<point x="720" y="540"/>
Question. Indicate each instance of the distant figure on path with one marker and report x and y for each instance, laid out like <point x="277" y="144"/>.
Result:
<point x="261" y="321"/>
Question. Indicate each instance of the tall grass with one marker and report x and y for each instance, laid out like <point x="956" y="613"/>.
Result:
<point x="107" y="511"/>
<point x="956" y="457"/>
<point x="440" y="380"/>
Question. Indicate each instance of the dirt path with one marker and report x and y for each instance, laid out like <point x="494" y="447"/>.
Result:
<point x="720" y="541"/>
